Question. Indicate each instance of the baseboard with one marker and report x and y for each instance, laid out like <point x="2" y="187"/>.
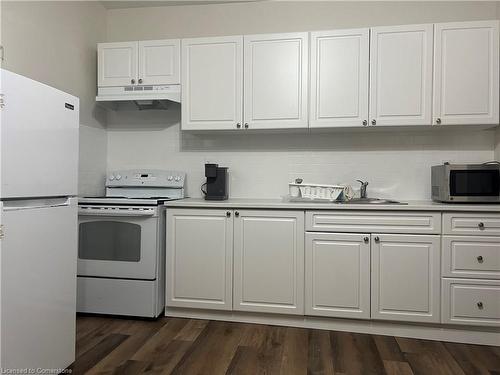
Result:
<point x="461" y="334"/>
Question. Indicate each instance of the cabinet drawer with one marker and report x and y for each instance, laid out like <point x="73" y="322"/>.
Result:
<point x="471" y="256"/>
<point x="376" y="221"/>
<point x="487" y="224"/>
<point x="471" y="302"/>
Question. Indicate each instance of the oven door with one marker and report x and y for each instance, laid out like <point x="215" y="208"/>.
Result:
<point x="118" y="243"/>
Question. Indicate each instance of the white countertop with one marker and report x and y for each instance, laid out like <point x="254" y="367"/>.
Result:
<point x="281" y="204"/>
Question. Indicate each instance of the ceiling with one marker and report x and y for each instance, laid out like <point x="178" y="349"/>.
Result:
<point x="119" y="4"/>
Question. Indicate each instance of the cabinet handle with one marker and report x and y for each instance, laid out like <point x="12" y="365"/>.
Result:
<point x="132" y="81"/>
<point x="238" y="125"/>
<point x="140" y="80"/>
<point x="228" y="214"/>
<point x="237" y="214"/>
<point x="438" y="121"/>
<point x="365" y="122"/>
<point x="366" y="239"/>
<point x="377" y="239"/>
<point x="481" y="225"/>
<point x="480" y="305"/>
<point x="246" y="125"/>
<point x="374" y="122"/>
<point x="480" y="259"/>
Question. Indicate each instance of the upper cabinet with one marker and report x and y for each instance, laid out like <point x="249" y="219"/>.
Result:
<point x="466" y="73"/>
<point x="117" y="64"/>
<point x="150" y="62"/>
<point x="401" y="75"/>
<point x="275" y="81"/>
<point x="410" y="75"/>
<point x="212" y="83"/>
<point x="339" y="78"/>
<point x="159" y="62"/>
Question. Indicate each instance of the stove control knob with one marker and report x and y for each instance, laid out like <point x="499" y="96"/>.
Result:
<point x="118" y="177"/>
<point x="170" y="178"/>
<point x="177" y="178"/>
<point x="111" y="177"/>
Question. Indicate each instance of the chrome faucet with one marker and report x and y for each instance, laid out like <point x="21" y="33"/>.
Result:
<point x="362" y="189"/>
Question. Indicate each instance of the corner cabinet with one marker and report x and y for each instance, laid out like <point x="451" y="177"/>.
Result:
<point x="212" y="83"/>
<point x="339" y="78"/>
<point x="401" y="75"/>
<point x="199" y="258"/>
<point x="466" y="73"/>
<point x="406" y="277"/>
<point x="276" y="80"/>
<point x="269" y="261"/>
<point x="151" y="62"/>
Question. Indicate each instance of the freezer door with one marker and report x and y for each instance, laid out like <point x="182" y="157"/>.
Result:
<point x="38" y="283"/>
<point x="39" y="139"/>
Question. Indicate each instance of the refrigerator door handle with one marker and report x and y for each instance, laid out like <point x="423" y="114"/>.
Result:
<point x="30" y="204"/>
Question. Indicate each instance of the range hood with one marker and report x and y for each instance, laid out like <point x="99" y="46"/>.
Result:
<point x="138" y="97"/>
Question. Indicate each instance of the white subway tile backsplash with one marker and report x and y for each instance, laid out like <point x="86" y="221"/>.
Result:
<point x="396" y="163"/>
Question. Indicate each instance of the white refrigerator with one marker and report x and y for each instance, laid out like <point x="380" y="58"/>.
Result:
<point x="38" y="224"/>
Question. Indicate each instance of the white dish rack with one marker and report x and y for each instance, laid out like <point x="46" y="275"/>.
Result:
<point x="300" y="191"/>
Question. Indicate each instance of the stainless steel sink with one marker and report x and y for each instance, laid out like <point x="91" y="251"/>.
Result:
<point x="372" y="201"/>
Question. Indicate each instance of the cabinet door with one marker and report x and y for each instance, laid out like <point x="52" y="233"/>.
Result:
<point x="401" y="75"/>
<point x="466" y="73"/>
<point x="212" y="83"/>
<point x="275" y="83"/>
<point x="199" y="258"/>
<point x="405" y="277"/>
<point x="339" y="78"/>
<point x="338" y="275"/>
<point x="269" y="261"/>
<point x="159" y="62"/>
<point x="117" y="63"/>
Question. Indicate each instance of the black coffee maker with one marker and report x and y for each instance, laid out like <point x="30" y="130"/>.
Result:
<point x="216" y="187"/>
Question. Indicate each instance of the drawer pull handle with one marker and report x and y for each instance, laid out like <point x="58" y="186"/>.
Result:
<point x="377" y="239"/>
<point x="481" y="225"/>
<point x="366" y="239"/>
<point x="480" y="305"/>
<point x="228" y="214"/>
<point x="480" y="259"/>
<point x="237" y="214"/>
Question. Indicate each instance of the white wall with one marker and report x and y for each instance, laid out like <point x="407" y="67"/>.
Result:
<point x="396" y="163"/>
<point x="55" y="43"/>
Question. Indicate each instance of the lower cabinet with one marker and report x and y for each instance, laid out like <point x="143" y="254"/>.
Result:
<point x="337" y="275"/>
<point x="199" y="258"/>
<point x="406" y="277"/>
<point x="269" y="261"/>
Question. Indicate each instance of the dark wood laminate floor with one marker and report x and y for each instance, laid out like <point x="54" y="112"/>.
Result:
<point x="187" y="346"/>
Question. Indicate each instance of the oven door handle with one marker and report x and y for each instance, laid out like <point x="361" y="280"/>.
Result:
<point x="115" y="213"/>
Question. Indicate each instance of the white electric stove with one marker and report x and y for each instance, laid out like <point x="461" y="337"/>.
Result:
<point x="121" y="249"/>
